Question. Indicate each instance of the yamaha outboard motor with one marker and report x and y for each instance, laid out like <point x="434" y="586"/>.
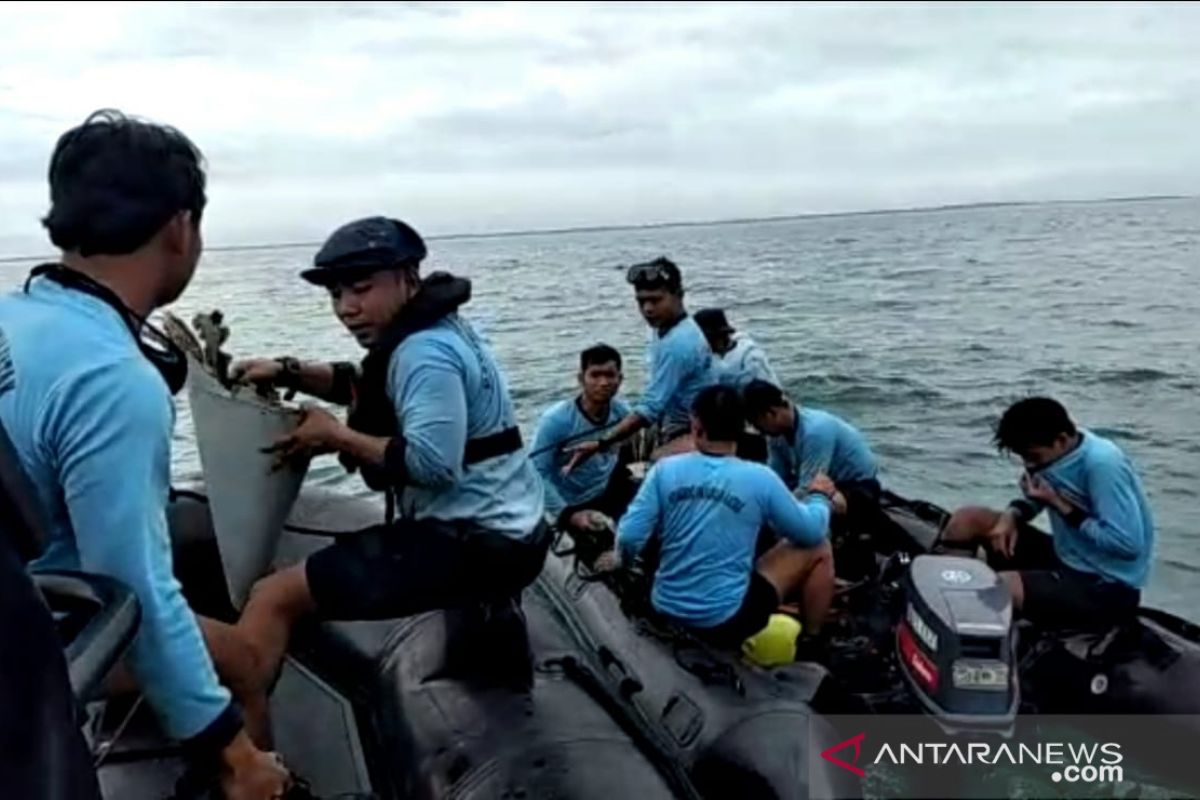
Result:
<point x="956" y="643"/>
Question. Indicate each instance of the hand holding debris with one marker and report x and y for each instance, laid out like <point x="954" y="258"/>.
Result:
<point x="317" y="433"/>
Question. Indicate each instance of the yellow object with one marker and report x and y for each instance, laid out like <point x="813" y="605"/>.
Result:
<point x="775" y="644"/>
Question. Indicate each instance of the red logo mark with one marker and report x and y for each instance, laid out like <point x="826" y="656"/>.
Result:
<point x="856" y="741"/>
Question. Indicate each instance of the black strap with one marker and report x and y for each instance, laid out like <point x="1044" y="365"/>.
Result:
<point x="496" y="444"/>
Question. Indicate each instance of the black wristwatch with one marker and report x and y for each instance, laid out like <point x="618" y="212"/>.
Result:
<point x="290" y="376"/>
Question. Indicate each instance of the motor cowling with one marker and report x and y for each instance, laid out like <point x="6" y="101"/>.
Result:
<point x="955" y="642"/>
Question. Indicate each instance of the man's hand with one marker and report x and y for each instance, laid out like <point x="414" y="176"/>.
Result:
<point x="607" y="561"/>
<point x="256" y="370"/>
<point x="318" y="432"/>
<point x="580" y="453"/>
<point x="1038" y="489"/>
<point x="822" y="484"/>
<point x="839" y="503"/>
<point x="251" y="774"/>
<point x="1002" y="538"/>
<point x="589" y="520"/>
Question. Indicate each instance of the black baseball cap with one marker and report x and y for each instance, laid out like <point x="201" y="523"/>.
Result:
<point x="364" y="246"/>
<point x="712" y="320"/>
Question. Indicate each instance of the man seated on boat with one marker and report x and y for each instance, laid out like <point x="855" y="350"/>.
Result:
<point x="431" y="424"/>
<point x="681" y="364"/>
<point x="87" y="404"/>
<point x="805" y="442"/>
<point x="707" y="508"/>
<point x="595" y="494"/>
<point x="1093" y="566"/>
<point x="740" y="358"/>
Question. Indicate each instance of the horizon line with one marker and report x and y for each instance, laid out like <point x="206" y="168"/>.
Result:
<point x="697" y="223"/>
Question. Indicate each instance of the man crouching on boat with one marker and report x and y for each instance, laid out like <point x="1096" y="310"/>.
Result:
<point x="805" y="442"/>
<point x="431" y="424"/>
<point x="595" y="494"/>
<point x="1092" y="569"/>
<point x="87" y="403"/>
<point x="708" y="507"/>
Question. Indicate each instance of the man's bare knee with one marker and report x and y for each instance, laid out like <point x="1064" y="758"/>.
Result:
<point x="1016" y="588"/>
<point x="283" y="592"/>
<point x="969" y="524"/>
<point x="786" y="565"/>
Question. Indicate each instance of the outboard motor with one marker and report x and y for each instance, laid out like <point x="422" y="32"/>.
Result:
<point x="956" y="643"/>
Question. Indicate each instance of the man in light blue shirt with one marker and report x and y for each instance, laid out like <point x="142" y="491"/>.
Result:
<point x="88" y="407"/>
<point x="598" y="491"/>
<point x="805" y="442"/>
<point x="681" y="363"/>
<point x="431" y="425"/>
<point x="1091" y="570"/>
<point x="740" y="358"/>
<point x="707" y="509"/>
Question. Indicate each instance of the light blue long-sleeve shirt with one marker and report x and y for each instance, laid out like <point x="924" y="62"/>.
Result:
<point x="1116" y="538"/>
<point x="821" y="442"/>
<point x="708" y="511"/>
<point x="681" y="365"/>
<point x="91" y="421"/>
<point x="565" y="422"/>
<point x="744" y="363"/>
<point x="446" y="388"/>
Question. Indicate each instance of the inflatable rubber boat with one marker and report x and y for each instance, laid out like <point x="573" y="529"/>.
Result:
<point x="515" y="700"/>
<point x="910" y="633"/>
<point x="580" y="690"/>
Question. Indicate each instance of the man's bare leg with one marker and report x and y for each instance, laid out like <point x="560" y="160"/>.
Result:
<point x="792" y="569"/>
<point x="967" y="527"/>
<point x="276" y="603"/>
<point x="236" y="666"/>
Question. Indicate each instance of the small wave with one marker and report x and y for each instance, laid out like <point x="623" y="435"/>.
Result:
<point x="845" y="240"/>
<point x="1120" y="434"/>
<point x="1131" y="376"/>
<point x="899" y="450"/>
<point x="844" y="389"/>
<point x="1134" y="375"/>
<point x="907" y="272"/>
<point x="894" y="304"/>
<point x="1121" y="323"/>
<point x="1181" y="565"/>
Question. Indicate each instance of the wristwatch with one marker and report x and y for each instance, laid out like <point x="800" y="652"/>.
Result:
<point x="290" y="375"/>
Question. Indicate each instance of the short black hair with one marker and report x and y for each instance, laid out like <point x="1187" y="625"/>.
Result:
<point x="719" y="409"/>
<point x="599" y="354"/>
<point x="671" y="280"/>
<point x="761" y="396"/>
<point x="1032" y="422"/>
<point x="115" y="181"/>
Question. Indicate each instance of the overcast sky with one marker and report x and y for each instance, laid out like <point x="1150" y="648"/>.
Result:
<point x="491" y="117"/>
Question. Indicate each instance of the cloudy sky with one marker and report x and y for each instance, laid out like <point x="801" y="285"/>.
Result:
<point x="482" y="117"/>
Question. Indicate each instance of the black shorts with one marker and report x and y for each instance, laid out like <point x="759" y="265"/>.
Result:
<point x="1059" y="596"/>
<point x="412" y="566"/>
<point x="760" y="602"/>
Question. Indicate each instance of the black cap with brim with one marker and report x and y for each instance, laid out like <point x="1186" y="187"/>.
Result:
<point x="712" y="320"/>
<point x="365" y="246"/>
